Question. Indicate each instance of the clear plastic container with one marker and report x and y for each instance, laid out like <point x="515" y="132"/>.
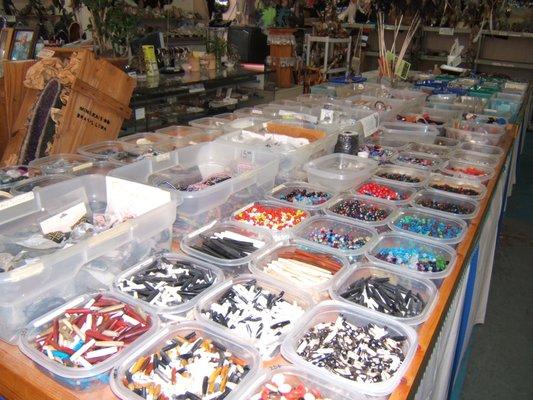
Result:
<point x="487" y="150"/>
<point x="181" y="309"/>
<point x="441" y="115"/>
<point x="289" y="292"/>
<point x="23" y="171"/>
<point x="296" y="376"/>
<point x="468" y="136"/>
<point x="387" y="108"/>
<point x="248" y="168"/>
<point x="405" y="193"/>
<point x="339" y="171"/>
<point x="408" y="131"/>
<point x="179" y="131"/>
<point x="145" y="139"/>
<point x="38" y="182"/>
<point x="389" y="141"/>
<point x="78" y="378"/>
<point x="244" y="123"/>
<point x="248" y="111"/>
<point x="455" y="223"/>
<point x="260" y="263"/>
<point x="477" y="133"/>
<point x="60" y="163"/>
<point x="471" y="206"/>
<point x="476" y="126"/>
<point x="209" y="123"/>
<point x="102" y="167"/>
<point x="415" y="173"/>
<point x="328" y="311"/>
<point x="458" y="168"/>
<point x="156" y="342"/>
<point x="475" y="158"/>
<point x="103" y="150"/>
<point x="432" y="149"/>
<point x="134" y="153"/>
<point x="424" y="287"/>
<point x="446" y="142"/>
<point x="408" y="242"/>
<point x="49" y="276"/>
<point x="460" y="184"/>
<point x="284" y="189"/>
<point x="193" y="239"/>
<point x="341" y="226"/>
<point x="423" y="161"/>
<point x="383" y="205"/>
<point x="227" y="115"/>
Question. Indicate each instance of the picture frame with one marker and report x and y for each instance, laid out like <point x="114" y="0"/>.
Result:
<point x="6" y="37"/>
<point x="23" y="44"/>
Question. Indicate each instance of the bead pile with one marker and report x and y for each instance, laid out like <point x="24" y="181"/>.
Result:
<point x="256" y="313"/>
<point x="379" y="294"/>
<point x="421" y="161"/>
<point x="424" y="261"/>
<point x="446" y="206"/>
<point x="466" y="191"/>
<point x="375" y="151"/>
<point x="282" y="387"/>
<point x="361" y="210"/>
<point x="303" y="267"/>
<point x="11" y="175"/>
<point x="428" y="226"/>
<point x="381" y="191"/>
<point x="205" y="183"/>
<point x="396" y="176"/>
<point x="228" y="245"/>
<point x="367" y="354"/>
<point x="90" y="334"/>
<point x="468" y="171"/>
<point x="305" y="197"/>
<point x="271" y="217"/>
<point x="338" y="238"/>
<point x="190" y="367"/>
<point x="167" y="283"/>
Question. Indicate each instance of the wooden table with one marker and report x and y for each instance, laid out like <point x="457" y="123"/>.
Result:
<point x="20" y="378"/>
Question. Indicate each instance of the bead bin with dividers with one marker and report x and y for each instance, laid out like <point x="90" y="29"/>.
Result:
<point x="78" y="343"/>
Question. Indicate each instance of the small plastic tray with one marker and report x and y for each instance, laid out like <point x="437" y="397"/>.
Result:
<point x="30" y="172"/>
<point x="339" y="171"/>
<point x="407" y="241"/>
<point x="457" y="182"/>
<point x="487" y="150"/>
<point x="408" y="131"/>
<point x="432" y="149"/>
<point x="248" y="111"/>
<point x="475" y="126"/>
<point x="432" y="195"/>
<point x="446" y="142"/>
<point x="180" y="309"/>
<point x="328" y="311"/>
<point x="260" y="263"/>
<point x="434" y="162"/>
<point x="244" y="123"/>
<point x="475" y="158"/>
<point x="406" y="193"/>
<point x="192" y="238"/>
<point x="101" y="167"/>
<point x="424" y="287"/>
<point x="289" y="292"/>
<point x="179" y="131"/>
<point x="77" y="378"/>
<point x="449" y="221"/>
<point x="422" y="175"/>
<point x="60" y="163"/>
<point x="488" y="172"/>
<point x="145" y="139"/>
<point x="367" y="200"/>
<point x="209" y="123"/>
<point x="157" y="341"/>
<point x="339" y="225"/>
<point x="388" y="141"/>
<point x="285" y="188"/>
<point x="103" y="150"/>
<point x="30" y="184"/>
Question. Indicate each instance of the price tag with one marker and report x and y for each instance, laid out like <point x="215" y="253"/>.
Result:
<point x="82" y="166"/>
<point x="140" y="113"/>
<point x="64" y="221"/>
<point x="369" y="124"/>
<point x="22" y="198"/>
<point x="446" y="31"/>
<point x="402" y="69"/>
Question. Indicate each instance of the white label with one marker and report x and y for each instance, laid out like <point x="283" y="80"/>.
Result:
<point x="140" y="113"/>
<point x="21" y="198"/>
<point x="162" y="157"/>
<point x="326" y="115"/>
<point x="370" y="124"/>
<point x="64" y="221"/>
<point x="446" y="31"/>
<point x="46" y="53"/>
<point x="82" y="166"/>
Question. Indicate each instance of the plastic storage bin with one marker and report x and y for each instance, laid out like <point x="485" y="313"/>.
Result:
<point x="209" y="123"/>
<point x="388" y="141"/>
<point x="432" y="149"/>
<point x="387" y="173"/>
<point x="157" y="342"/>
<point x="244" y="123"/>
<point x="423" y="287"/>
<point x="429" y="200"/>
<point x="475" y="158"/>
<point x="487" y="150"/>
<point x="78" y="378"/>
<point x="461" y="187"/>
<point x="14" y="174"/>
<point x="339" y="171"/>
<point x="446" y="142"/>
<point x="60" y="163"/>
<point x="145" y="139"/>
<point x="405" y="193"/>
<point x="413" y="159"/>
<point x="282" y="193"/>
<point x="296" y="376"/>
<point x="179" y="131"/>
<point x="308" y="230"/>
<point x="384" y="208"/>
<point x="467" y="170"/>
<point x="328" y="311"/>
<point x="288" y="292"/>
<point x="247" y="167"/>
<point x="407" y="243"/>
<point x="194" y="238"/>
<point x="38" y="182"/>
<point x="50" y="278"/>
<point x="101" y="167"/>
<point x="457" y="226"/>
<point x="412" y="132"/>
<point x="103" y="150"/>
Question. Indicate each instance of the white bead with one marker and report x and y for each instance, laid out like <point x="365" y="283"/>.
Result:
<point x="285" y="388"/>
<point x="278" y="379"/>
<point x="309" y="396"/>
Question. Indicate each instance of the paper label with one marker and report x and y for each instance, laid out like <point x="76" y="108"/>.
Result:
<point x="64" y="221"/>
<point x="21" y="198"/>
<point x="46" y="53"/>
<point x="446" y="31"/>
<point x="82" y="166"/>
<point x="402" y="69"/>
<point x="370" y="124"/>
<point x="326" y="115"/>
<point x="140" y="113"/>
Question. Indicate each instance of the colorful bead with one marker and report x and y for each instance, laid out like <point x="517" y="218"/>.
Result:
<point x="377" y="190"/>
<point x="427" y="226"/>
<point x="468" y="171"/>
<point x="271" y="217"/>
<point x="446" y="206"/>
<point x="337" y="240"/>
<point x="361" y="210"/>
<point x="376" y="152"/>
<point x="455" y="189"/>
<point x="422" y="161"/>
<point x="289" y="387"/>
<point x="424" y="261"/>
<point x="395" y="176"/>
<point x="305" y="197"/>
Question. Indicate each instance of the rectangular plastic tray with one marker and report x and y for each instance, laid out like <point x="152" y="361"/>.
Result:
<point x="488" y="150"/>
<point x="60" y="163"/>
<point x="408" y="131"/>
<point x="432" y="162"/>
<point x="247" y="167"/>
<point x="446" y="142"/>
<point x="184" y="136"/>
<point x="406" y="193"/>
<point x="244" y="123"/>
<point x="486" y="160"/>
<point x="424" y="287"/>
<point x="457" y="182"/>
<point x="431" y="195"/>
<point x="432" y="149"/>
<point x="339" y="171"/>
<point x="50" y="278"/>
<point x="102" y="167"/>
<point x="328" y="311"/>
<point x="27" y="185"/>
<point x="487" y="171"/>
<point x="209" y="123"/>
<point x="374" y="202"/>
<point x="417" y="173"/>
<point x="103" y="150"/>
<point x="279" y="191"/>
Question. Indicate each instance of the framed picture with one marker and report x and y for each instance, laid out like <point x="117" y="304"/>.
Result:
<point x="23" y="44"/>
<point x="6" y="36"/>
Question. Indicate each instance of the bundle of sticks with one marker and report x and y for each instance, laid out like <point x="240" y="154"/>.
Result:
<point x="388" y="68"/>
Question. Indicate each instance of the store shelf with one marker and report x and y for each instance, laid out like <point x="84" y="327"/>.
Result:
<point x="488" y="32"/>
<point x="427" y="57"/>
<point x="373" y="26"/>
<point x="505" y="64"/>
<point x="446" y="31"/>
<point x="327" y="39"/>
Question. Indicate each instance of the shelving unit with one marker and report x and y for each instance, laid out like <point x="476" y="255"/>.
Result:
<point x="329" y="42"/>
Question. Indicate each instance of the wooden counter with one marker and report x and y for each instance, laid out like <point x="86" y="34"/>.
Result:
<point x="20" y="378"/>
